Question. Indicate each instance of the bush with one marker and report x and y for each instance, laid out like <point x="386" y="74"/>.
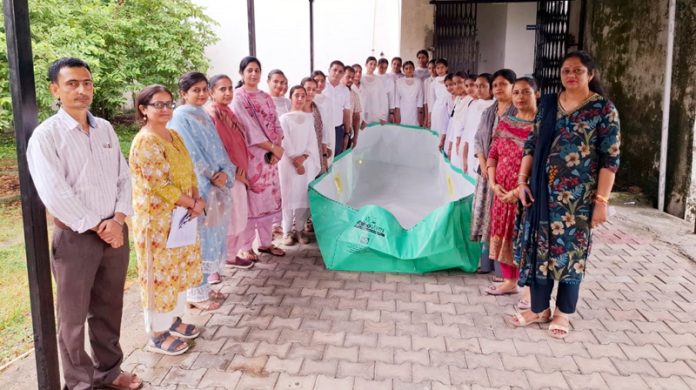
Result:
<point x="128" y="44"/>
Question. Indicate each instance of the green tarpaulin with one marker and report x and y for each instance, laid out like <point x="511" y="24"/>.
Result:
<point x="394" y="204"/>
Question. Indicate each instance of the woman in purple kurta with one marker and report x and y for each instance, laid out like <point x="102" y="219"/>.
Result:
<point x="257" y="113"/>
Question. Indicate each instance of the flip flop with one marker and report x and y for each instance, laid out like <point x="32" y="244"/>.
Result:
<point x="493" y="290"/>
<point x="559" y="327"/>
<point x="190" y="333"/>
<point x="539" y="318"/>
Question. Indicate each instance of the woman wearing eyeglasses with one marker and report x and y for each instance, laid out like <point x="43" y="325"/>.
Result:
<point x="163" y="179"/>
<point x="570" y="160"/>
<point x="215" y="173"/>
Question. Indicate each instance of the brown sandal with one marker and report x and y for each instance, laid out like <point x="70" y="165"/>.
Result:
<point x="273" y="250"/>
<point x="134" y="383"/>
<point x="216" y="295"/>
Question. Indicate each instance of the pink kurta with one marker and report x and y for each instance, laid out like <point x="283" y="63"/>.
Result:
<point x="257" y="113"/>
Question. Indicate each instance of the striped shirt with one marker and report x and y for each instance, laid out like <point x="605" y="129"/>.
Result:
<point x="82" y="178"/>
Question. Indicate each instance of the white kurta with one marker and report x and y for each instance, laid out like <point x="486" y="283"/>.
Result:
<point x="282" y="105"/>
<point x="325" y="106"/>
<point x="299" y="138"/>
<point x="388" y="81"/>
<point x="440" y="98"/>
<point x="422" y="73"/>
<point x="359" y="90"/>
<point x="426" y="92"/>
<point x="458" y="115"/>
<point x="409" y="98"/>
<point x="468" y="133"/>
<point x="375" y="103"/>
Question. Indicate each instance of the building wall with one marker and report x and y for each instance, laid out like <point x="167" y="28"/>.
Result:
<point x="503" y="39"/>
<point x="417" y="22"/>
<point x="491" y="20"/>
<point x="520" y="42"/>
<point x="628" y="39"/>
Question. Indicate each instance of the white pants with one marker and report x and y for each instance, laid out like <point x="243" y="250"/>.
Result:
<point x="292" y="217"/>
<point x="157" y="321"/>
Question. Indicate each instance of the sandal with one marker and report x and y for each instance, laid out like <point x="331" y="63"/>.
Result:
<point x="214" y="278"/>
<point x="190" y="331"/>
<point x="134" y="383"/>
<point x="156" y="345"/>
<point x="519" y="320"/>
<point x="205" y="305"/>
<point x="497" y="279"/>
<point x="559" y="331"/>
<point x="494" y="290"/>
<point x="273" y="250"/>
<point x="524" y="304"/>
<point x="216" y="295"/>
<point x="250" y="255"/>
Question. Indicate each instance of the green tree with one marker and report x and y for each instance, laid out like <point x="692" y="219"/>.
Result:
<point x="128" y="44"/>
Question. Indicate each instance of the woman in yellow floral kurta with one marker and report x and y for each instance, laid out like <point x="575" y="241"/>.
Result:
<point x="163" y="178"/>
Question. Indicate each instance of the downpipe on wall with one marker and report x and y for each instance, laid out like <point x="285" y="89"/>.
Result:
<point x="666" y="99"/>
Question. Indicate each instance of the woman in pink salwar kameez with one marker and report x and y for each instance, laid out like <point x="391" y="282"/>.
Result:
<point x="233" y="138"/>
<point x="257" y="113"/>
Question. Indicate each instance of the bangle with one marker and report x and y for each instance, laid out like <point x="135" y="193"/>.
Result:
<point x="603" y="199"/>
<point x="522" y="175"/>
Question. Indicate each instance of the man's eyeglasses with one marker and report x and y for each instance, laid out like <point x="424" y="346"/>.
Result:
<point x="163" y="105"/>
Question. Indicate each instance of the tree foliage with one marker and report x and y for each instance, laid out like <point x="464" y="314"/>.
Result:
<point x="127" y="43"/>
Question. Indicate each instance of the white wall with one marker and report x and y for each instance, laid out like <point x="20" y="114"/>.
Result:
<point x="520" y="43"/>
<point x="348" y="31"/>
<point x="504" y="41"/>
<point x="491" y="20"/>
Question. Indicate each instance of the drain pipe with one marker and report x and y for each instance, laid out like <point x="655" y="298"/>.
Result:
<point x="666" y="98"/>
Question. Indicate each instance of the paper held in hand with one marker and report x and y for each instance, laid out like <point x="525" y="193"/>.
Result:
<point x="183" y="229"/>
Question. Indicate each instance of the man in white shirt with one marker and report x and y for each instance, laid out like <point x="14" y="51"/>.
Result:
<point x="355" y="107"/>
<point x="340" y="96"/>
<point x="84" y="181"/>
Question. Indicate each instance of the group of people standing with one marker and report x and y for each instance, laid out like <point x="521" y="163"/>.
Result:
<point x="236" y="162"/>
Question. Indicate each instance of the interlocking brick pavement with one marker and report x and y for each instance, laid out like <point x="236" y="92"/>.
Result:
<point x="291" y="324"/>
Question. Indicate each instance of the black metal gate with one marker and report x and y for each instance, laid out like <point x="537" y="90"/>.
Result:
<point x="455" y="35"/>
<point x="552" y="37"/>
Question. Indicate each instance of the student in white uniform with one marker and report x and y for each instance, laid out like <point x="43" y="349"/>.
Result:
<point x="422" y="72"/>
<point x="484" y="99"/>
<point x="357" y="88"/>
<point x="463" y="90"/>
<point x="440" y="98"/>
<point x="388" y="85"/>
<point x="427" y="103"/>
<point x="454" y="110"/>
<point x="277" y="86"/>
<point x="409" y="98"/>
<point x="298" y="167"/>
<point x="325" y="105"/>
<point x="375" y="101"/>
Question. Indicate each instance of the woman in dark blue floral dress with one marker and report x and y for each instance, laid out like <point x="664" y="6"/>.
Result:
<point x="571" y="159"/>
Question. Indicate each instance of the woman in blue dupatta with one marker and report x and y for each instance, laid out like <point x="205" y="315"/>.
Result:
<point x="215" y="174"/>
<point x="572" y="157"/>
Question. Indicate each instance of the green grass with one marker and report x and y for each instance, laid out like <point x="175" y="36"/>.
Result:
<point x="15" y="313"/>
